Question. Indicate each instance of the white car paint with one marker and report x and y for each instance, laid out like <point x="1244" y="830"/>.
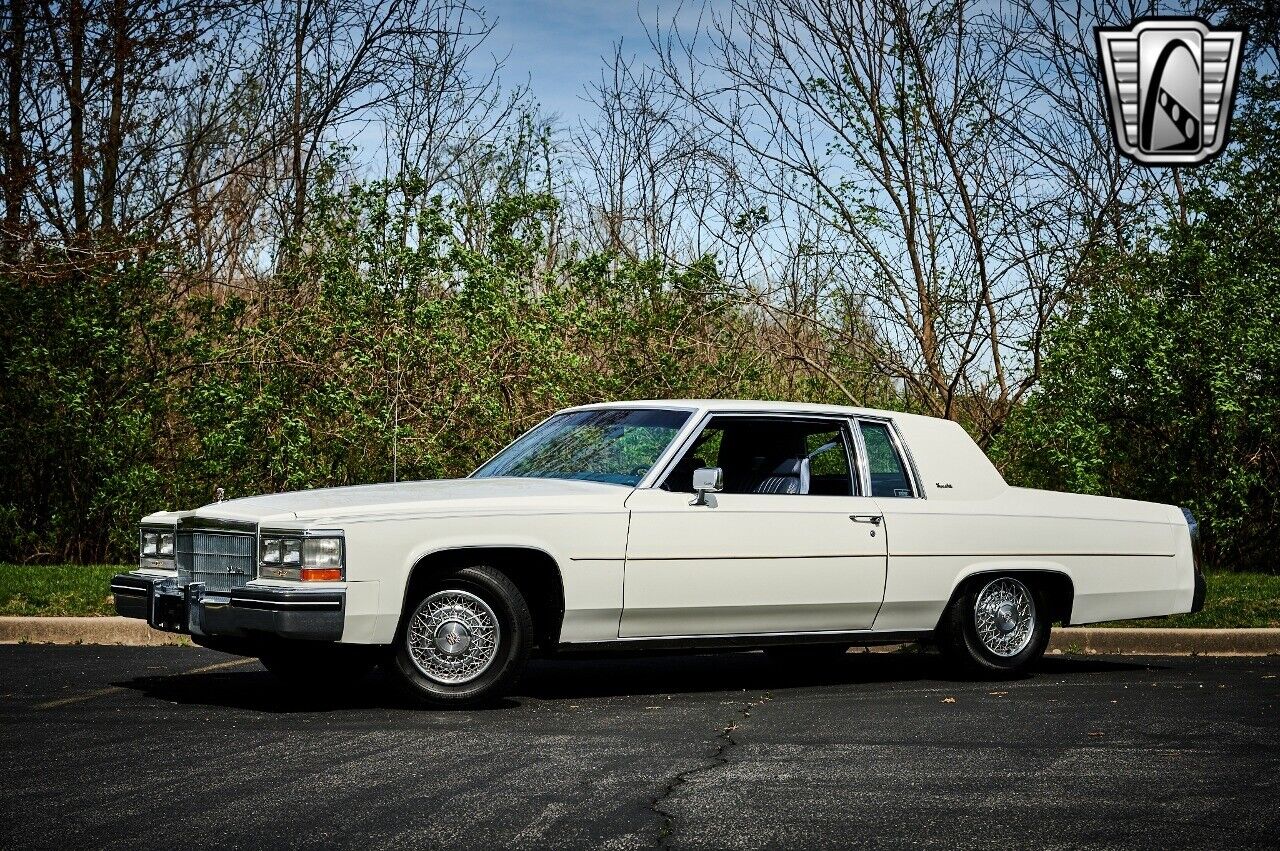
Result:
<point x="643" y="562"/>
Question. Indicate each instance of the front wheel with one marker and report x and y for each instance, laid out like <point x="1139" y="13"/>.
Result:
<point x="464" y="638"/>
<point x="997" y="628"/>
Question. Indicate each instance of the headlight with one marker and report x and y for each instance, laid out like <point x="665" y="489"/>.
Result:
<point x="319" y="558"/>
<point x="155" y="548"/>
<point x="322" y="552"/>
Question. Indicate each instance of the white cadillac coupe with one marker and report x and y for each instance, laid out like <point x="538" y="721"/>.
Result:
<point x="801" y="529"/>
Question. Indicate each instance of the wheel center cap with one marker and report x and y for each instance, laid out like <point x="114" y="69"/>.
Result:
<point x="1006" y="618"/>
<point x="453" y="638"/>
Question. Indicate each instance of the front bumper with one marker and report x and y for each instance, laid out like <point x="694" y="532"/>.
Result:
<point x="315" y="614"/>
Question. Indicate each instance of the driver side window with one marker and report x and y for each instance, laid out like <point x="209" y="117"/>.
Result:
<point x="770" y="455"/>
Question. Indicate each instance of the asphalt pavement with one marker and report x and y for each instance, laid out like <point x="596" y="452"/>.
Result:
<point x="172" y="747"/>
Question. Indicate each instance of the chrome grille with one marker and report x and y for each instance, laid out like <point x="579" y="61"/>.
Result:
<point x="221" y="560"/>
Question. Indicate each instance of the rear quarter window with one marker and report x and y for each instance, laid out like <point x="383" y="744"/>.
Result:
<point x="888" y="472"/>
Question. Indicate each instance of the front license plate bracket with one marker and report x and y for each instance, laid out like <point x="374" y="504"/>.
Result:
<point x="168" y="611"/>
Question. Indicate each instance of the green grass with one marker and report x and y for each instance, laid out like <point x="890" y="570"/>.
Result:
<point x="1235" y="599"/>
<point x="63" y="589"/>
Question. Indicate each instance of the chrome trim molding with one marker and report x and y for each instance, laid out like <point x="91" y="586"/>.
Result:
<point x="192" y="523"/>
<point x="828" y="633"/>
<point x="252" y="603"/>
<point x="264" y="532"/>
<point x="746" y="641"/>
<point x="754" y="557"/>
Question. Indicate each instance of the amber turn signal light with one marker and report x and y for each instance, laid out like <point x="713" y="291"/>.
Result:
<point x="321" y="574"/>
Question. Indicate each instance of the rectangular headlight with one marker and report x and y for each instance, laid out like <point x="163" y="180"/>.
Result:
<point x="155" y="548"/>
<point x="322" y="552"/>
<point x="322" y="560"/>
<point x="308" y="559"/>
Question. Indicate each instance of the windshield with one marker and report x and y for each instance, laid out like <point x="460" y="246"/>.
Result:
<point x="615" y="445"/>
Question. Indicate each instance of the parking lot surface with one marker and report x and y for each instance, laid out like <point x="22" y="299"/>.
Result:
<point x="184" y="748"/>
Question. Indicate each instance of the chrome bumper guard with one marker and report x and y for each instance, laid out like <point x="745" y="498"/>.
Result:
<point x="241" y="612"/>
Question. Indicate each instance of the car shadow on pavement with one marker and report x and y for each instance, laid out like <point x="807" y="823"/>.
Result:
<point x="256" y="690"/>
<point x="567" y="678"/>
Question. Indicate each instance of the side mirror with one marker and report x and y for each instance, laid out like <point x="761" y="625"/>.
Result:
<point x="707" y="480"/>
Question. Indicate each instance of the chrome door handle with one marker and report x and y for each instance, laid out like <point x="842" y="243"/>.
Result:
<point x="866" y="518"/>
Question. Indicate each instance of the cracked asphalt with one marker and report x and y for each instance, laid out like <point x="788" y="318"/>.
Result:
<point x="110" y="747"/>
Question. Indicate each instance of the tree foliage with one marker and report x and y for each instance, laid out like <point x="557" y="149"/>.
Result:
<point x="390" y="347"/>
<point x="261" y="246"/>
<point x="1163" y="379"/>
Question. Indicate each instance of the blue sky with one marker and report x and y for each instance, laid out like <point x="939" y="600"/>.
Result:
<point x="557" y="45"/>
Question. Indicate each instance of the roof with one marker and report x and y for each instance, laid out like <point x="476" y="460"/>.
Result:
<point x="749" y="405"/>
<point x="949" y="465"/>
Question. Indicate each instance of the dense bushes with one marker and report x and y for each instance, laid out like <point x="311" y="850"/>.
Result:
<point x="87" y="342"/>
<point x="386" y="344"/>
<point x="187" y="303"/>
<point x="1163" y="380"/>
<point x="391" y="340"/>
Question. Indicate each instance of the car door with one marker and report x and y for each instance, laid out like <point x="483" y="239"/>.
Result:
<point x="787" y="547"/>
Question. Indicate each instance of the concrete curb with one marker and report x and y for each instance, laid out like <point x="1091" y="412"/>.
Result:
<point x="1071" y="640"/>
<point x="1117" y="641"/>
<point x="106" y="630"/>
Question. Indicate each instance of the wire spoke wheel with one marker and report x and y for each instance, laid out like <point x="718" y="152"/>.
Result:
<point x="453" y="637"/>
<point x="1005" y="616"/>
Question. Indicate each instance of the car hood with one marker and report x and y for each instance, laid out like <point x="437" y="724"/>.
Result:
<point x="438" y="496"/>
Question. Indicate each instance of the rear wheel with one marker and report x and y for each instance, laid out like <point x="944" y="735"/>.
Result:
<point x="464" y="638"/>
<point x="997" y="627"/>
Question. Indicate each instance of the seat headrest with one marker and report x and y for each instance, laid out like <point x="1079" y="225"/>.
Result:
<point x="790" y="467"/>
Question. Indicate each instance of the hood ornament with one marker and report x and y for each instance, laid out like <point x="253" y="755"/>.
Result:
<point x="219" y="495"/>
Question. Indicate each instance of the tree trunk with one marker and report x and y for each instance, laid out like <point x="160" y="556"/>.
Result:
<point x="75" y="101"/>
<point x="115" y="118"/>
<point x="299" y="187"/>
<point x="14" y="151"/>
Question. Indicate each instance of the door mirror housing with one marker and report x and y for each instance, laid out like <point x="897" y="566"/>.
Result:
<point x="707" y="480"/>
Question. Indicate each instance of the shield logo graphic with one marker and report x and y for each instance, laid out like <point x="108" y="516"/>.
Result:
<point x="1170" y="86"/>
